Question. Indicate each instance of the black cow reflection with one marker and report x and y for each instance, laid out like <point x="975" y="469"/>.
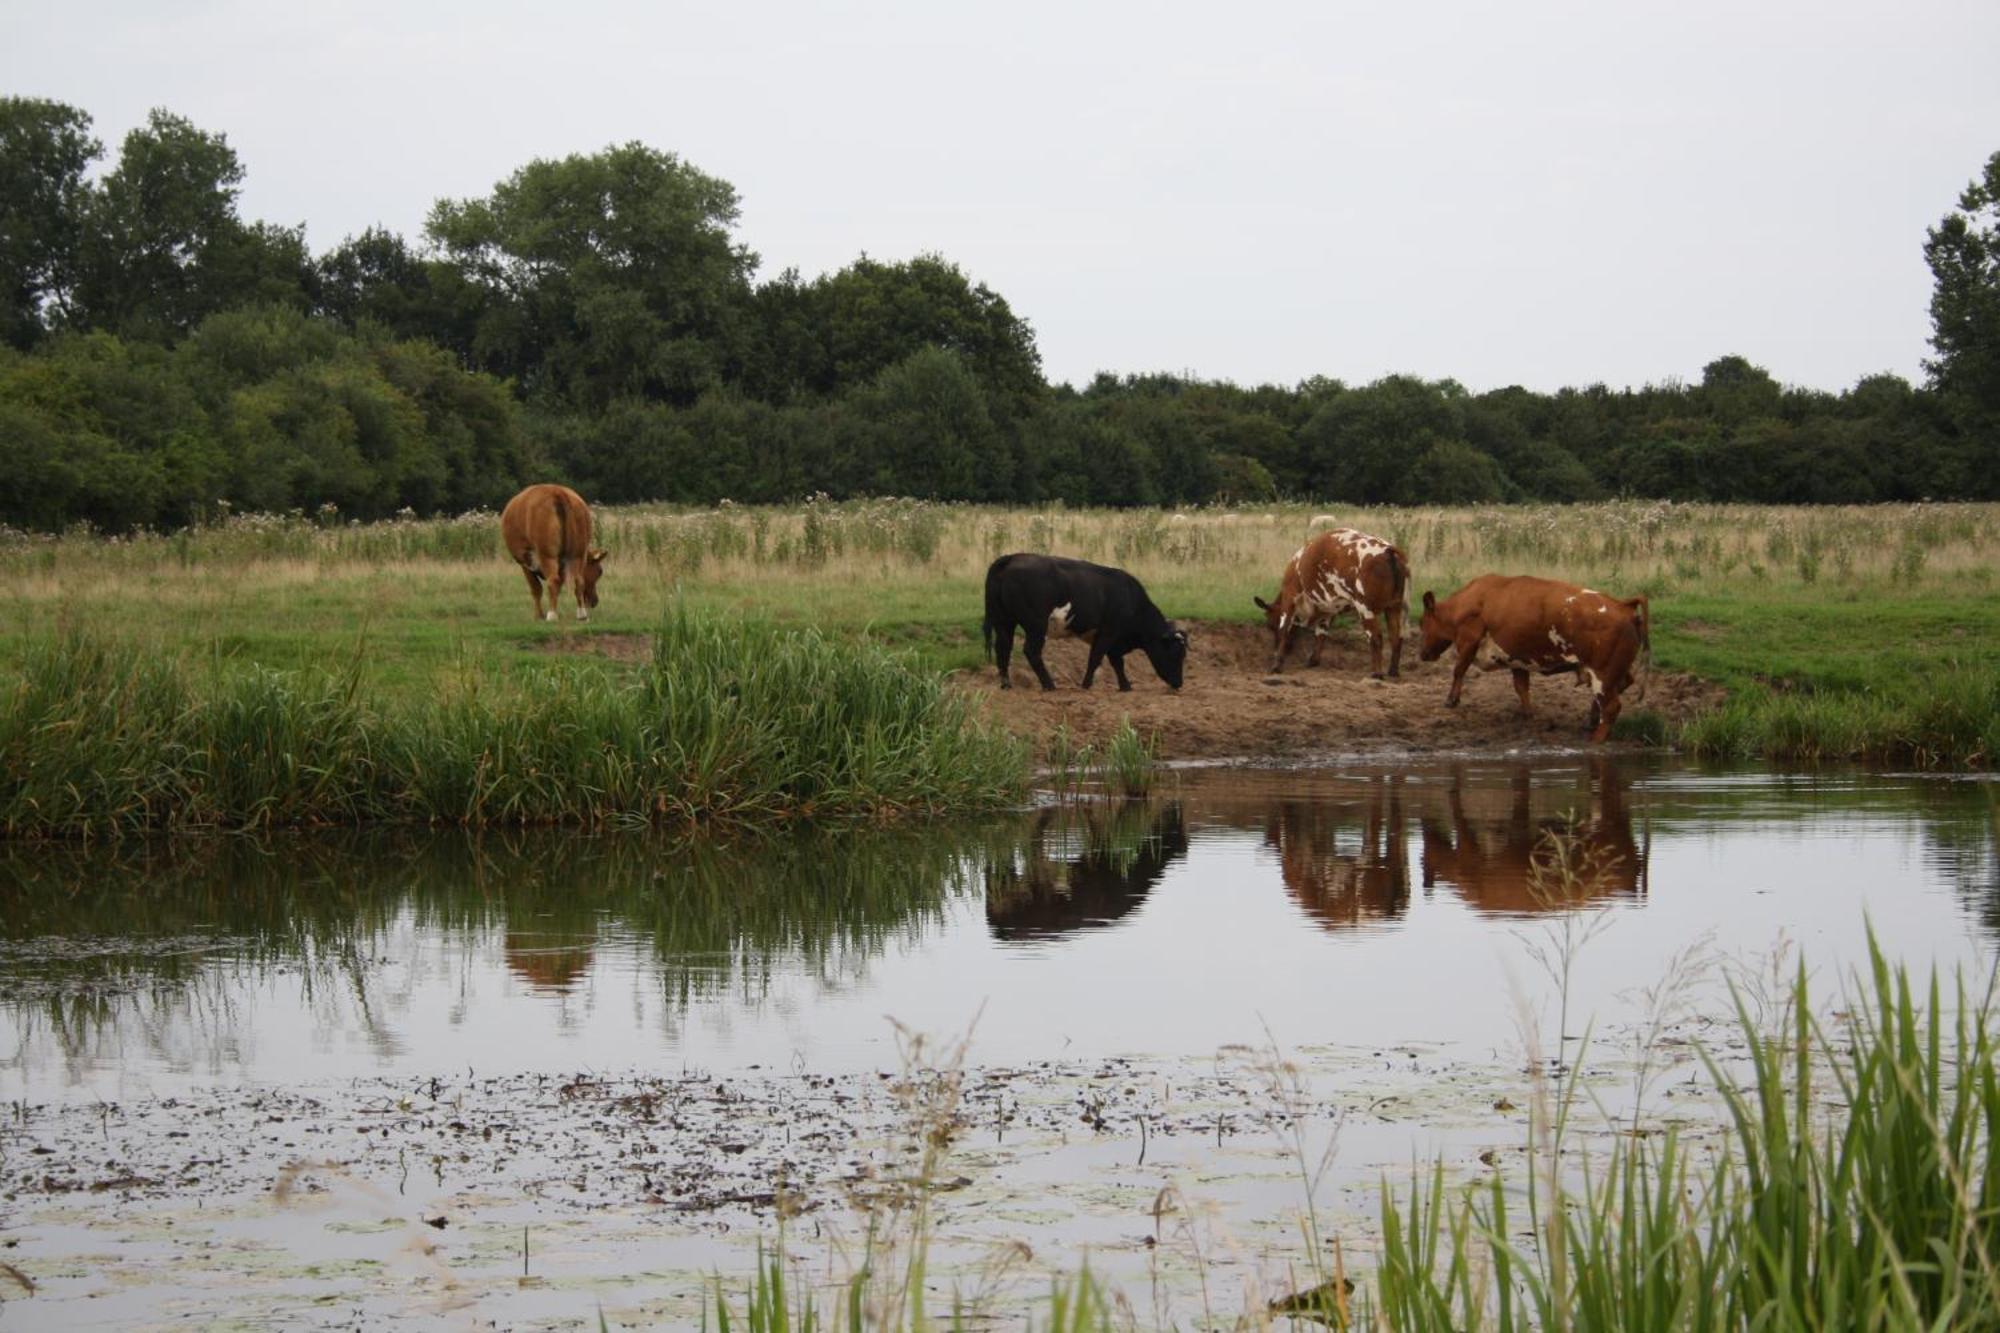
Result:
<point x="1346" y="863"/>
<point x="1083" y="868"/>
<point x="1498" y="855"/>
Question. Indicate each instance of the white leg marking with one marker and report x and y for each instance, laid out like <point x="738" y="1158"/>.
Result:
<point x="582" y="614"/>
<point x="550" y="615"/>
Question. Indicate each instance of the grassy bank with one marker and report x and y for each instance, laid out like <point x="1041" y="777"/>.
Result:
<point x="1836" y="630"/>
<point x="729" y="722"/>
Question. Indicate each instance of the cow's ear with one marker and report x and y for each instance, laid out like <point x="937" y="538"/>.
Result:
<point x="599" y="555"/>
<point x="1430" y="600"/>
<point x="1262" y="605"/>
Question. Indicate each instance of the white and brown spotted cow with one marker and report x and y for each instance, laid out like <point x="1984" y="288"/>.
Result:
<point x="1331" y="573"/>
<point x="1533" y="625"/>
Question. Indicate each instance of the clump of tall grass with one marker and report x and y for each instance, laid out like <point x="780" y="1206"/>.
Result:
<point x="1126" y="764"/>
<point x="1883" y="1215"/>
<point x="731" y="722"/>
<point x="1949" y="718"/>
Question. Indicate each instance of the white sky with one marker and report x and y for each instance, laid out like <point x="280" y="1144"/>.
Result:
<point x="1529" y="192"/>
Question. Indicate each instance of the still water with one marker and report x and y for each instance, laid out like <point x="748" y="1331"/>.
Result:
<point x="1365" y="905"/>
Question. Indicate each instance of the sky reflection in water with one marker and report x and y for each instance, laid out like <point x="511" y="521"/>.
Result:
<point x="1370" y="905"/>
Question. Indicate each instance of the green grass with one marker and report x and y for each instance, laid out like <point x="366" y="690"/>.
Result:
<point x="1869" y="608"/>
<point x="731" y="722"/>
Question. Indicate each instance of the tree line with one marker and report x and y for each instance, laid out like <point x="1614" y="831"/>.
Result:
<point x="595" y="319"/>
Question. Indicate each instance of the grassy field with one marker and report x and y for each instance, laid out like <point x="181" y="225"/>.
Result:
<point x="1836" y="630"/>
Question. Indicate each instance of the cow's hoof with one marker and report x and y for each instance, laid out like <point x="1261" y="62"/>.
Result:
<point x="583" y="615"/>
<point x="1395" y="674"/>
<point x="1451" y="703"/>
<point x="1124" y="689"/>
<point x="550" y="617"/>
<point x="1006" y="684"/>
<point x="1375" y="675"/>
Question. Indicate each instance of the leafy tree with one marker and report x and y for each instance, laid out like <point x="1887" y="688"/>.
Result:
<point x="45" y="147"/>
<point x="602" y="277"/>
<point x="1964" y="255"/>
<point x="163" y="247"/>
<point x="1734" y="391"/>
<point x="1360" y="445"/>
<point x="843" y="330"/>
<point x="1452" y="472"/>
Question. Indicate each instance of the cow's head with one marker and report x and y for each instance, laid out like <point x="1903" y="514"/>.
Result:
<point x="1436" y="633"/>
<point x="586" y="578"/>
<point x="1168" y="654"/>
<point x="1277" y="615"/>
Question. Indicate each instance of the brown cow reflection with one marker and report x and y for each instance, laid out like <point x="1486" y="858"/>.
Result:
<point x="1083" y="869"/>
<point x="549" y="963"/>
<point x="1345" y="863"/>
<point x="1497" y="854"/>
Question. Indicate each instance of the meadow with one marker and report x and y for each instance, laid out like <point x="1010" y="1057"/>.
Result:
<point x="1839" y="633"/>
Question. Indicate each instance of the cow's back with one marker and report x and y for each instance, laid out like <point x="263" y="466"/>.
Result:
<point x="546" y="519"/>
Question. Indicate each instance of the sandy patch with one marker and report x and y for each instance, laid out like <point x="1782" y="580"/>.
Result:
<point x="1231" y="707"/>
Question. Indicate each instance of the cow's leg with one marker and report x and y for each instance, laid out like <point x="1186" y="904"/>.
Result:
<point x="1032" y="639"/>
<point x="1470" y="636"/>
<point x="534" y="578"/>
<point x="1373" y="624"/>
<point x="1604" y="710"/>
<point x="1521" y="687"/>
<point x="1394" y="615"/>
<point x="1319" y="629"/>
<point x="1090" y="667"/>
<point x="1118" y="670"/>
<point x="1003" y="651"/>
<point x="1284" y="646"/>
<point x="552" y="580"/>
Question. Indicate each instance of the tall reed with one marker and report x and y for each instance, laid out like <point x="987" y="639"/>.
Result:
<point x="731" y="722"/>
<point x="1874" y="1204"/>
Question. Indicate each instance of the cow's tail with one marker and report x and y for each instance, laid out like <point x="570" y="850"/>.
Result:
<point x="1642" y="615"/>
<point x="992" y="596"/>
<point x="562" y="532"/>
<point x="1399" y="575"/>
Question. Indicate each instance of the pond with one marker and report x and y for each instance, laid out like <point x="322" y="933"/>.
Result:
<point x="619" y="1042"/>
<point x="1369" y="904"/>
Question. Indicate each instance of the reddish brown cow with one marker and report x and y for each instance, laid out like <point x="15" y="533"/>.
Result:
<point x="1335" y="571"/>
<point x="546" y="529"/>
<point x="1540" y="625"/>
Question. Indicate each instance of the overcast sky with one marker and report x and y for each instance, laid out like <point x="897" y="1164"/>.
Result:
<point x="1537" y="193"/>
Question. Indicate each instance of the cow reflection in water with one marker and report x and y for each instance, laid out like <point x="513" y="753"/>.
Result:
<point x="1344" y="866"/>
<point x="1083" y="868"/>
<point x="550" y="964"/>
<point x="1500" y="857"/>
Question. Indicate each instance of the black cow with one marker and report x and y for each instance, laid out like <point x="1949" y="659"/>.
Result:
<point x="1051" y="594"/>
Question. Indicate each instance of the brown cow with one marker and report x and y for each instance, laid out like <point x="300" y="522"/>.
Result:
<point x="1332" y="572"/>
<point x="1540" y="625"/>
<point x="546" y="529"/>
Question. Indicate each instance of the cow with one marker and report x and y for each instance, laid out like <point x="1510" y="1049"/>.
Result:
<point x="1540" y="625"/>
<point x="546" y="529"/>
<point x="1332" y="572"/>
<point x="1053" y="595"/>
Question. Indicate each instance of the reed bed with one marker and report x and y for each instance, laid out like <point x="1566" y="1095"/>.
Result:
<point x="1883" y="1213"/>
<point x="730" y="723"/>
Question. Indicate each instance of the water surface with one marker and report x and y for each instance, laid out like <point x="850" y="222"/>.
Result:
<point x="1376" y="905"/>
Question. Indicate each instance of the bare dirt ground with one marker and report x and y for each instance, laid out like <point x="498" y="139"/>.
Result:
<point x="1230" y="707"/>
